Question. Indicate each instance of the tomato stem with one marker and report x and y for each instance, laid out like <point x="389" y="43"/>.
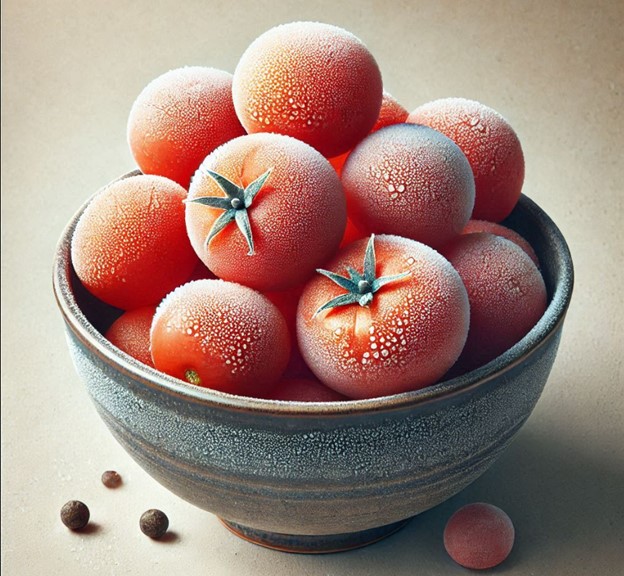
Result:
<point x="235" y="205"/>
<point x="360" y="287"/>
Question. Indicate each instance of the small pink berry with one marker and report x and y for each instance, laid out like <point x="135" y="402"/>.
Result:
<point x="479" y="536"/>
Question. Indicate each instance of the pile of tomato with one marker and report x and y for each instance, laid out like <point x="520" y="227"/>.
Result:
<point x="296" y="234"/>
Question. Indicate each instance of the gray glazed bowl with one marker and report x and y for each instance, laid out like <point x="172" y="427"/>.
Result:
<point x="317" y="477"/>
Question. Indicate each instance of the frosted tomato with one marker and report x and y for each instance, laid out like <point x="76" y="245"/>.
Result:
<point x="220" y="335"/>
<point x="313" y="81"/>
<point x="476" y="226"/>
<point x="506" y="291"/>
<point x="131" y="333"/>
<point x="396" y="321"/>
<point x="491" y="146"/>
<point x="411" y="181"/>
<point x="265" y="210"/>
<point x="130" y="246"/>
<point x="179" y="118"/>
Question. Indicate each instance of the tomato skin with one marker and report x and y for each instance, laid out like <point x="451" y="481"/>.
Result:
<point x="220" y="335"/>
<point x="407" y="338"/>
<point x="313" y="81"/>
<point x="179" y="118"/>
<point x="479" y="536"/>
<point x="297" y="218"/>
<point x="131" y="333"/>
<point x="130" y="246"/>
<point x="491" y="146"/>
<point x="391" y="112"/>
<point x="410" y="181"/>
<point x="506" y="291"/>
<point x="476" y="226"/>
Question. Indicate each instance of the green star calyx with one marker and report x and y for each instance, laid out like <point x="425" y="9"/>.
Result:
<point x="235" y="204"/>
<point x="360" y="287"/>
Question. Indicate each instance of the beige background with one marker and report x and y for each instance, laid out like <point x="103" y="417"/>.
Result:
<point x="70" y="72"/>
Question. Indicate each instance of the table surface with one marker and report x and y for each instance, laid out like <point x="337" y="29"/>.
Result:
<point x="70" y="72"/>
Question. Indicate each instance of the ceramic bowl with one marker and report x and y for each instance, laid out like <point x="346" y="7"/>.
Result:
<point x="317" y="477"/>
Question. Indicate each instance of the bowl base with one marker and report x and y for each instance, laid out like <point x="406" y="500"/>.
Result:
<point x="315" y="544"/>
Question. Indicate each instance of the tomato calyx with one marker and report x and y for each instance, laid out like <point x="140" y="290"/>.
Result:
<point x="360" y="286"/>
<point x="235" y="204"/>
<point x="192" y="377"/>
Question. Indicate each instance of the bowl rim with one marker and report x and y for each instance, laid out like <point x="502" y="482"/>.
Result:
<point x="91" y="338"/>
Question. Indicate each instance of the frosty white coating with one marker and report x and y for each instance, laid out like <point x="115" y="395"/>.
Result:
<point x="411" y="181"/>
<point x="311" y="80"/>
<point x="491" y="146"/>
<point x="133" y="227"/>
<point x="179" y="118"/>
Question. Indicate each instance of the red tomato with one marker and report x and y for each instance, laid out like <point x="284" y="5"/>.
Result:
<point x="131" y="333"/>
<point x="313" y="81"/>
<point x="130" y="246"/>
<point x="293" y="222"/>
<point x="220" y="335"/>
<point x="179" y="118"/>
<point x="400" y="326"/>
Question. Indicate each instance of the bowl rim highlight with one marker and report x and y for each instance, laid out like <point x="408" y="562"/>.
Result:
<point x="442" y="391"/>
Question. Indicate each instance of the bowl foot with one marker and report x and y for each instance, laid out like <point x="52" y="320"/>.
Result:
<point x="315" y="544"/>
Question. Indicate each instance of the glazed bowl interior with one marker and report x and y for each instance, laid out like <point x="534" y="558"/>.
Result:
<point x="302" y="475"/>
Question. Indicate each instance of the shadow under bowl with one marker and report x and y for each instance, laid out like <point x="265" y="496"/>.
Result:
<point x="317" y="477"/>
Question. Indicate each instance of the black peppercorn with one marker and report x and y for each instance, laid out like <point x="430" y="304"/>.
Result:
<point x="75" y="514"/>
<point x="111" y="479"/>
<point x="154" y="523"/>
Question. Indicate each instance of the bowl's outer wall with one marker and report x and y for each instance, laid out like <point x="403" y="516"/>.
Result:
<point x="315" y="475"/>
<point x="318" y="471"/>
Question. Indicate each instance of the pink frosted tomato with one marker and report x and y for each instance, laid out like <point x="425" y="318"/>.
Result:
<point x="479" y="536"/>
<point x="179" y="118"/>
<point x="411" y="181"/>
<point x="131" y="333"/>
<point x="491" y="146"/>
<point x="130" y="246"/>
<point x="265" y="210"/>
<point x="506" y="292"/>
<point x="476" y="226"/>
<point x="313" y="81"/>
<point x="387" y="315"/>
<point x="220" y="335"/>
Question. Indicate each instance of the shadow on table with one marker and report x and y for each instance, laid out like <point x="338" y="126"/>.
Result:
<point x="567" y="507"/>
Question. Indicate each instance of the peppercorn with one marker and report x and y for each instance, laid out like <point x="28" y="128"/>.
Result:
<point x="75" y="514"/>
<point x="111" y="479"/>
<point x="154" y="523"/>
